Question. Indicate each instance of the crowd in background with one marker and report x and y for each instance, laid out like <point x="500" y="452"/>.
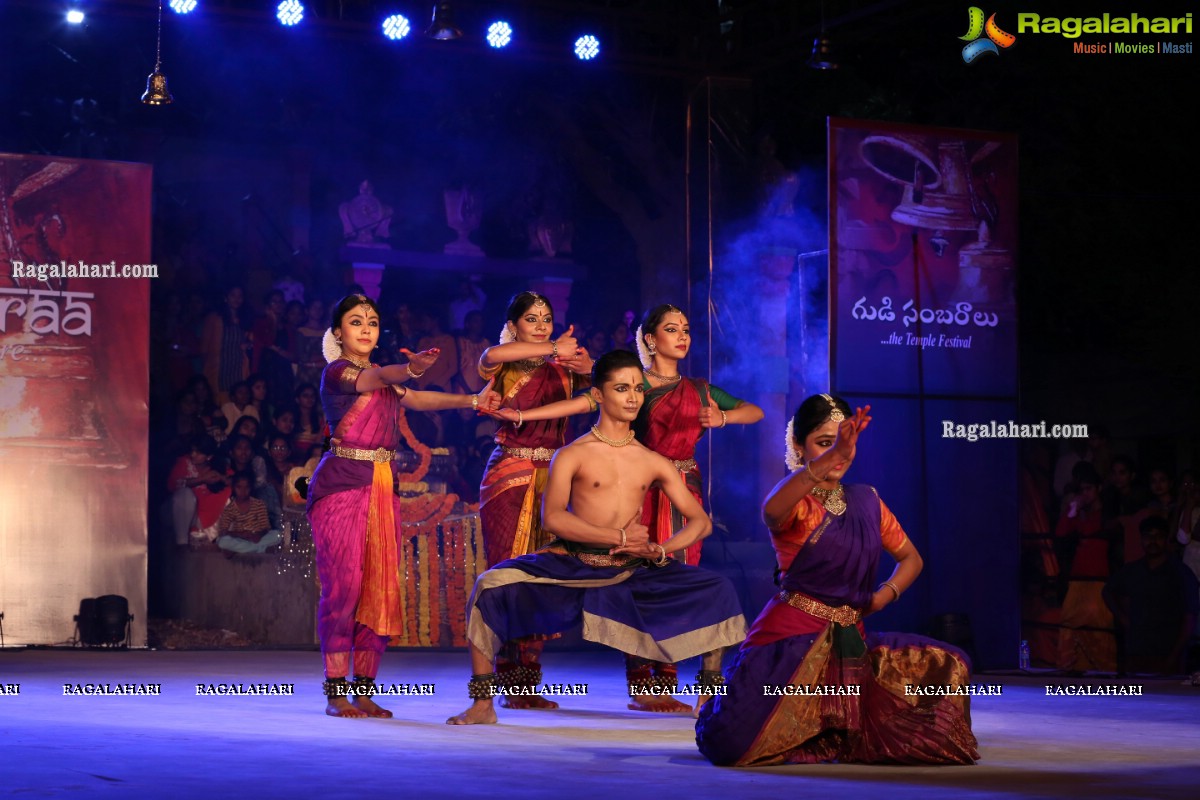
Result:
<point x="1112" y="559"/>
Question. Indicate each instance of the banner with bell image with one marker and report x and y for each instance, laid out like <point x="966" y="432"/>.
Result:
<point x="73" y="391"/>
<point x="923" y="259"/>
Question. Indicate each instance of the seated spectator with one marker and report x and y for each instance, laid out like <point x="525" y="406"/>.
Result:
<point x="1155" y="601"/>
<point x="1162" y="498"/>
<point x="1186" y="522"/>
<point x="210" y="413"/>
<point x="239" y="405"/>
<point x="310" y="423"/>
<point x="244" y="526"/>
<point x="597" y="343"/>
<point x="198" y="492"/>
<point x="1123" y="493"/>
<point x="249" y="427"/>
<point x="269" y="473"/>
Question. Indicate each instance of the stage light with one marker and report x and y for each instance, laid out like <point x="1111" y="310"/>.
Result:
<point x="396" y="27"/>
<point x="822" y="55"/>
<point x="290" y="12"/>
<point x="587" y="47"/>
<point x="442" y="27"/>
<point x="112" y="612"/>
<point x="183" y="6"/>
<point x="157" y="93"/>
<point x="75" y="16"/>
<point x="499" y="34"/>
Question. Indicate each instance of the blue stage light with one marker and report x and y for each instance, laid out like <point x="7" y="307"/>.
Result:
<point x="587" y="47"/>
<point x="182" y="6"/>
<point x="290" y="12"/>
<point x="396" y="27"/>
<point x="499" y="34"/>
<point x="75" y="16"/>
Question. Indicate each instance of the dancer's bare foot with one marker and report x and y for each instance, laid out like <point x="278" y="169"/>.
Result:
<point x="481" y="712"/>
<point x="658" y="704"/>
<point x="370" y="708"/>
<point x="523" y="702"/>
<point x="341" y="707"/>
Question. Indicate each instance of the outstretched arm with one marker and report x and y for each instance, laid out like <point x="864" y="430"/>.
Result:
<point x="564" y="347"/>
<point x="560" y="408"/>
<point x="483" y="402"/>
<point x="792" y="489"/>
<point x="395" y="374"/>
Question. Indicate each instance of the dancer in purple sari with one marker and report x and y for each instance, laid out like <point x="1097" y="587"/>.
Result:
<point x="353" y="511"/>
<point x="810" y="685"/>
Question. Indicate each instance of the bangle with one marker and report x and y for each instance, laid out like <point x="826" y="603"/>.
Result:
<point x="520" y="419"/>
<point x="474" y="402"/>
<point x="663" y="560"/>
<point x="554" y="349"/>
<point x="724" y="417"/>
<point x="414" y="375"/>
<point x="623" y="537"/>
<point x="891" y="586"/>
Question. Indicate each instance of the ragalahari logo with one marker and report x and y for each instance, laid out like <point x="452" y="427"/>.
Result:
<point x="976" y="28"/>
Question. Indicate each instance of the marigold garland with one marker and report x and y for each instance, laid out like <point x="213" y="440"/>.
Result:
<point x="418" y="447"/>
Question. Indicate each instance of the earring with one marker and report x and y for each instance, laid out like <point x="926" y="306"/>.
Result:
<point x="650" y="348"/>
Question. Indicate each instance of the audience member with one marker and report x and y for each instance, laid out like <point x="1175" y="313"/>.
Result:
<point x="244" y="526"/>
<point x="226" y="344"/>
<point x="1155" y="601"/>
<point x="1085" y="640"/>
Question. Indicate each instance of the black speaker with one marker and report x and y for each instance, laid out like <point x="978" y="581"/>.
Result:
<point x="104" y="621"/>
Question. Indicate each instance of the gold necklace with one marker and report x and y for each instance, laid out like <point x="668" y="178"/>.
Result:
<point x="833" y="499"/>
<point x="663" y="378"/>
<point x="528" y="365"/>
<point x="612" y="442"/>
<point x="361" y="363"/>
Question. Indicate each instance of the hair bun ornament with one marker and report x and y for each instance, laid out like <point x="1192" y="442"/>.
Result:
<point x="790" y="457"/>
<point x="330" y="347"/>
<point x="643" y="353"/>
<point x="508" y="334"/>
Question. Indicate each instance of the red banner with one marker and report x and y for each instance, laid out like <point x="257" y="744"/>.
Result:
<point x="74" y="320"/>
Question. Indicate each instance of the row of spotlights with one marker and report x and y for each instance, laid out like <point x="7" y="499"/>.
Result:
<point x="395" y="27"/>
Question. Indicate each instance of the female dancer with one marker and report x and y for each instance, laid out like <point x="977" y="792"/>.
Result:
<point x="354" y="514"/>
<point x="841" y="693"/>
<point x="529" y="369"/>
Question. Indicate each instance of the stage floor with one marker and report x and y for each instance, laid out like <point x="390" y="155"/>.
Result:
<point x="180" y="745"/>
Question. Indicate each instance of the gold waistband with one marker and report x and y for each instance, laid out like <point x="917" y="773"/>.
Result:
<point x="380" y="455"/>
<point x="842" y="615"/>
<point x="531" y="453"/>
<point x="685" y="466"/>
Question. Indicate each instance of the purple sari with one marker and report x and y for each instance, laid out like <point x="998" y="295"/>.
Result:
<point x="852" y="706"/>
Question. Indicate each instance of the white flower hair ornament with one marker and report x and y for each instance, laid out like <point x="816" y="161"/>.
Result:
<point x="643" y="353"/>
<point x="508" y="333"/>
<point x="331" y="348"/>
<point x="790" y="455"/>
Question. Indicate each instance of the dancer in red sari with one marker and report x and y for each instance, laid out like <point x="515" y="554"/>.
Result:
<point x="810" y="685"/>
<point x="352" y="508"/>
<point x="529" y="369"/>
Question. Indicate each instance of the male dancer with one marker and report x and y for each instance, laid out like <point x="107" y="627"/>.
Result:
<point x="603" y="570"/>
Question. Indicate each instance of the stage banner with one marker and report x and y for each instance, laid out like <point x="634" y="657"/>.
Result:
<point x="923" y="241"/>
<point x="923" y="327"/>
<point x="74" y="322"/>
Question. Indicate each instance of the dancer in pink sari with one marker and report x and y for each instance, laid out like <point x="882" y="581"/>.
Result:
<point x="353" y="510"/>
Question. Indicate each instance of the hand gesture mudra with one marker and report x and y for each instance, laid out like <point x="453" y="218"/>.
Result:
<point x="419" y="362"/>
<point x="566" y="345"/>
<point x="848" y="430"/>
